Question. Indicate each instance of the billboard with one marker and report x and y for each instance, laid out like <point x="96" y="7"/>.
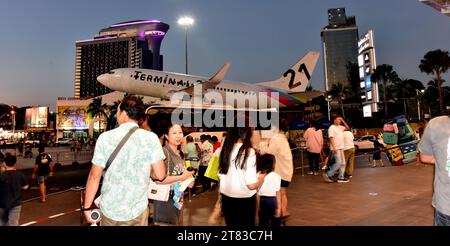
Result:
<point x="73" y="118"/>
<point x="36" y="117"/>
<point x="367" y="110"/>
<point x="367" y="63"/>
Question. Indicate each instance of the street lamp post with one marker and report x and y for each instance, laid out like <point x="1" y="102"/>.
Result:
<point x="418" y="102"/>
<point x="13" y="113"/>
<point x="328" y="98"/>
<point x="186" y="22"/>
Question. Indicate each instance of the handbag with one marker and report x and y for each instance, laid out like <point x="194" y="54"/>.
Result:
<point x="160" y="192"/>
<point x="213" y="166"/>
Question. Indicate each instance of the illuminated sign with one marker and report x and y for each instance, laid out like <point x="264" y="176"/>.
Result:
<point x="73" y="118"/>
<point x="368" y="83"/>
<point x="36" y="117"/>
<point x="360" y="61"/>
<point x="361" y="72"/>
<point x="369" y="95"/>
<point x="367" y="110"/>
<point x="155" y="33"/>
<point x="362" y="84"/>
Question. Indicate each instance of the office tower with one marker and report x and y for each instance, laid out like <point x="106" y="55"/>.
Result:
<point x="340" y="49"/>
<point x="442" y="6"/>
<point x="127" y="44"/>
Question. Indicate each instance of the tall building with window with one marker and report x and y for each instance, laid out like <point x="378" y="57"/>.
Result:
<point x="127" y="44"/>
<point x="442" y="6"/>
<point x="340" y="48"/>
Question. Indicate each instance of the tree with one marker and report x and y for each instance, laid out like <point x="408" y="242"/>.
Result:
<point x="436" y="62"/>
<point x="97" y="109"/>
<point x="112" y="120"/>
<point x="430" y="95"/>
<point x="405" y="90"/>
<point x="386" y="74"/>
<point x="339" y="92"/>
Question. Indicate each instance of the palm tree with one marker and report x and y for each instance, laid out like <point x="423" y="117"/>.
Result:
<point x="436" y="62"/>
<point x="339" y="92"/>
<point x="386" y="74"/>
<point x="405" y="90"/>
<point x="112" y="120"/>
<point x="97" y="109"/>
<point x="431" y="93"/>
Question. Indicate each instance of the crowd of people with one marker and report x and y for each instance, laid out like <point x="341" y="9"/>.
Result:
<point x="254" y="175"/>
<point x="156" y="151"/>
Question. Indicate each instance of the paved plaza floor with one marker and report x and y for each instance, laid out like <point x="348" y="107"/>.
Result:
<point x="388" y="196"/>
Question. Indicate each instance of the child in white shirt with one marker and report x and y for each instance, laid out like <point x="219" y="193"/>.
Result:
<point x="269" y="193"/>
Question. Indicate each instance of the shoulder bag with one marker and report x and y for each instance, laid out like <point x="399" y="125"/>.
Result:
<point x="113" y="156"/>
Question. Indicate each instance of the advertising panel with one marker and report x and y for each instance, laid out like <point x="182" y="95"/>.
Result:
<point x="367" y="111"/>
<point x="73" y="118"/>
<point x="36" y="117"/>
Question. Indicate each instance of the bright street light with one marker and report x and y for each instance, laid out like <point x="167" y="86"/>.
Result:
<point x="186" y="22"/>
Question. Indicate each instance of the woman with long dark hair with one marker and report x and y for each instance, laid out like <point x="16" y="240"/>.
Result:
<point x="239" y="179"/>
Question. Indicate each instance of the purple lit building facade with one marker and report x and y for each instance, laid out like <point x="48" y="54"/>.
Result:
<point x="442" y="6"/>
<point x="127" y="44"/>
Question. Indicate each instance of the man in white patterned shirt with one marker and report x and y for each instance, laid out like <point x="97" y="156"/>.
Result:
<point x="124" y="190"/>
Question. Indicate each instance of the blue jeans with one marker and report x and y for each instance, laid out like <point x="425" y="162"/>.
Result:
<point x="441" y="219"/>
<point x="10" y="217"/>
<point x="338" y="165"/>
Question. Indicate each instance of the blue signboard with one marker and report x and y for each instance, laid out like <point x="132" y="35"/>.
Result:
<point x="368" y="82"/>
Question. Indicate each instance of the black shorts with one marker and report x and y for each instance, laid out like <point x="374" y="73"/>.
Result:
<point x="285" y="183"/>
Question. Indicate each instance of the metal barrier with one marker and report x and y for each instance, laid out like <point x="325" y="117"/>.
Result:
<point x="70" y="157"/>
<point x="299" y="151"/>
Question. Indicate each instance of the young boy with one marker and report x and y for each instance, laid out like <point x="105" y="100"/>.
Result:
<point x="11" y="183"/>
<point x="269" y="193"/>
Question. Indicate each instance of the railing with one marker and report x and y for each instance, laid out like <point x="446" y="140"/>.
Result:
<point x="70" y="157"/>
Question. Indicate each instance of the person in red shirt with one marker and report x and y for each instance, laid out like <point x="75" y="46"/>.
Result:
<point x="216" y="143"/>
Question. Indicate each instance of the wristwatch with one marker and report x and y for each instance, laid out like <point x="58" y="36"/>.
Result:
<point x="85" y="209"/>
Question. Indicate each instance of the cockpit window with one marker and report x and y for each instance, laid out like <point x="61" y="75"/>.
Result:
<point x="111" y="72"/>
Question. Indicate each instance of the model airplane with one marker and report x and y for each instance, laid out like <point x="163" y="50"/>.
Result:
<point x="289" y="89"/>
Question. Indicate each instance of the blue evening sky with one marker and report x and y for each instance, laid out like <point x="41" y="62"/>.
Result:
<point x="260" y="38"/>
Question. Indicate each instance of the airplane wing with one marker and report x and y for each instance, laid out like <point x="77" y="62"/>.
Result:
<point x="307" y="95"/>
<point x="210" y="83"/>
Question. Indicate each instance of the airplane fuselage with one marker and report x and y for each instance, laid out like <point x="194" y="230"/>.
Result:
<point x="164" y="84"/>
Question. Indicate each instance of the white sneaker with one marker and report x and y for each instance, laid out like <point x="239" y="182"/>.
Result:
<point x="310" y="173"/>
<point x="343" y="180"/>
<point x="326" y="178"/>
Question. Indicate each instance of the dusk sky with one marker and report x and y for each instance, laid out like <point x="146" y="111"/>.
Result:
<point x="260" y="38"/>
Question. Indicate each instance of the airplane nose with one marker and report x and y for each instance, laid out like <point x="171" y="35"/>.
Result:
<point x="103" y="79"/>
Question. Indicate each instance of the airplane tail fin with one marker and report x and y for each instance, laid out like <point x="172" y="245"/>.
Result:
<point x="296" y="78"/>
